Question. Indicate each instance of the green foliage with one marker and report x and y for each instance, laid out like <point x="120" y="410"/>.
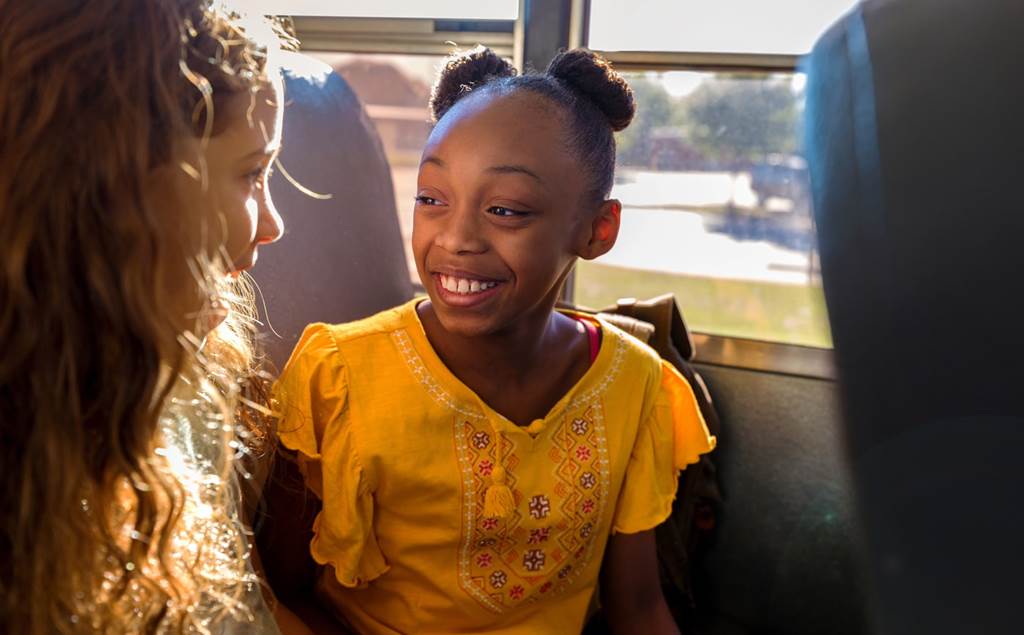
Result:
<point x="655" y="109"/>
<point x="727" y="119"/>
<point x="733" y="119"/>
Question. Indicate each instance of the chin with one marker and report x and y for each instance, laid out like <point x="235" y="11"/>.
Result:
<point x="462" y="322"/>
<point x="241" y="267"/>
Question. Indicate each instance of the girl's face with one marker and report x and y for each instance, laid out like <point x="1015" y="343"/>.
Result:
<point x="220" y="197"/>
<point x="500" y="215"/>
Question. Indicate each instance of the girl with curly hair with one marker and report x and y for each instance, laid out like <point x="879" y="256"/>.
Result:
<point x="136" y="138"/>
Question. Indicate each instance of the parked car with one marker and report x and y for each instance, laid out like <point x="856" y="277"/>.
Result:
<point x="782" y="176"/>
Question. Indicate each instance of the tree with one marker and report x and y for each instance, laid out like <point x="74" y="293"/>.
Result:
<point x="655" y="109"/>
<point x="735" y="119"/>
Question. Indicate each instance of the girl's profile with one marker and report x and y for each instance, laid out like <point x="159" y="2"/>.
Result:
<point x="136" y="141"/>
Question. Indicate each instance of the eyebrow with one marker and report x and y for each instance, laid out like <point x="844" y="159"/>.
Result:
<point x="432" y="159"/>
<point x="266" y="151"/>
<point x="514" y="169"/>
<point x="494" y="169"/>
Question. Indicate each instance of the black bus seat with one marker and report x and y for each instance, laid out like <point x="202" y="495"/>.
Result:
<point x="784" y="554"/>
<point x="914" y="137"/>
<point x="341" y="258"/>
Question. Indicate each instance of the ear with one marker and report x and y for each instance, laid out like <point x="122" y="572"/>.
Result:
<point x="603" y="231"/>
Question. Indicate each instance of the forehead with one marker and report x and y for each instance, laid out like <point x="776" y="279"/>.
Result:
<point x="514" y="127"/>
<point x="252" y="121"/>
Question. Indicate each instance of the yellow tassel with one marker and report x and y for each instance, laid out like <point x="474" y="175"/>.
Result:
<point x="498" y="501"/>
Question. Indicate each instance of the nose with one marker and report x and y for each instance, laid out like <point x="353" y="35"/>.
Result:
<point x="269" y="226"/>
<point x="461" y="233"/>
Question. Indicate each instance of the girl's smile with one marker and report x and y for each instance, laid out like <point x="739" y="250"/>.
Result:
<point x="458" y="288"/>
<point x="497" y="213"/>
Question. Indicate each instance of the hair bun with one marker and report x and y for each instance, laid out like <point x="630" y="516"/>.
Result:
<point x="462" y="73"/>
<point x="588" y="74"/>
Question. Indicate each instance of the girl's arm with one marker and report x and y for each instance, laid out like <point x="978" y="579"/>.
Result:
<point x="631" y="589"/>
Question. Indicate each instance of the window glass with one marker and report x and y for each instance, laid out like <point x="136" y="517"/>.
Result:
<point x="716" y="208"/>
<point x="394" y="90"/>
<point x="441" y="9"/>
<point x="714" y="191"/>
<point x="723" y="26"/>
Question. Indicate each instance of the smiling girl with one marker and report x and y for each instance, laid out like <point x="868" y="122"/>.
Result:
<point x="482" y="458"/>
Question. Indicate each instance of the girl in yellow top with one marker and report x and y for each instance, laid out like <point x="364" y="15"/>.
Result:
<point x="481" y="458"/>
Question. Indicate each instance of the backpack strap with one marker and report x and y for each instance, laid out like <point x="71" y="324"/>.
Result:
<point x="689" y="531"/>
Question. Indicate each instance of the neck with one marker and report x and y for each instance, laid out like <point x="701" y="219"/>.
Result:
<point x="509" y="354"/>
<point x="520" y="371"/>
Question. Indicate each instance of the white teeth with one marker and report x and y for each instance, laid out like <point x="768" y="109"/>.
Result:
<point x="464" y="286"/>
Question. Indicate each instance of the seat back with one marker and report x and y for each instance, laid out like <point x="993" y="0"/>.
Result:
<point x="915" y="130"/>
<point x="342" y="256"/>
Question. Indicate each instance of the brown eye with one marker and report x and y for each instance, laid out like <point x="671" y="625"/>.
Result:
<point x="506" y="212"/>
<point x="257" y="177"/>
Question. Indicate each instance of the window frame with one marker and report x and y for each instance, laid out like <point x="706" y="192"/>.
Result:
<point x="527" y="40"/>
<point x="402" y="36"/>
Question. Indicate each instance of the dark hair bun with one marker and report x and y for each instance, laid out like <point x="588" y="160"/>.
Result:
<point x="462" y="73"/>
<point x="591" y="76"/>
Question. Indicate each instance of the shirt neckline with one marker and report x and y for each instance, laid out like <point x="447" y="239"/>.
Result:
<point x="606" y="361"/>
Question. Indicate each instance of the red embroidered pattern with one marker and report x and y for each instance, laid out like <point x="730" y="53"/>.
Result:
<point x="547" y="540"/>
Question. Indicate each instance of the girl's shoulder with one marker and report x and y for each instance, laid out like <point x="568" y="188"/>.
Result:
<point x="345" y="334"/>
<point x="632" y="354"/>
<point x="338" y="346"/>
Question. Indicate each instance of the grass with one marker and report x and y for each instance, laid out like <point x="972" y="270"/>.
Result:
<point x="794" y="314"/>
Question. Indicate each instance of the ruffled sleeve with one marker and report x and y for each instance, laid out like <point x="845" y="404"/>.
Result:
<point x="312" y="395"/>
<point x="672" y="436"/>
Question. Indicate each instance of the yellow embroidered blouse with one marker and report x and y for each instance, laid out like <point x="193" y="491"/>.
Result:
<point x="401" y="452"/>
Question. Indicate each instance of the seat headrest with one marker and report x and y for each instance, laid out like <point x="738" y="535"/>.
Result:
<point x="342" y="255"/>
<point x="914" y="137"/>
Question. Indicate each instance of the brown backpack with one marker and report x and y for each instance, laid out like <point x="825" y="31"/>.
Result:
<point x="688" y="532"/>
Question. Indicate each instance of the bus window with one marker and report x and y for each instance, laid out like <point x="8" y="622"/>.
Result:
<point x="716" y="207"/>
<point x="715" y="192"/>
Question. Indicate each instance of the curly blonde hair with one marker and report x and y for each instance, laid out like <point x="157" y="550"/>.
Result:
<point x="101" y="529"/>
